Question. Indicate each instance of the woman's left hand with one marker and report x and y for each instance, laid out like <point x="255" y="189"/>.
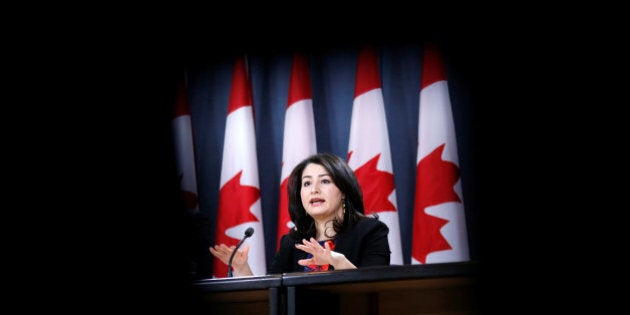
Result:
<point x="321" y="255"/>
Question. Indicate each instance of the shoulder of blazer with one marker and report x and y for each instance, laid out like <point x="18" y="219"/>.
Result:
<point x="364" y="227"/>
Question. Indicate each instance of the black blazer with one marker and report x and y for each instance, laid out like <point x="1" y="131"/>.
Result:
<point x="364" y="245"/>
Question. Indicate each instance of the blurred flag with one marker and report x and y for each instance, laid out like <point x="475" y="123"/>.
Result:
<point x="369" y="153"/>
<point x="439" y="223"/>
<point x="239" y="196"/>
<point x="299" y="134"/>
<point x="184" y="149"/>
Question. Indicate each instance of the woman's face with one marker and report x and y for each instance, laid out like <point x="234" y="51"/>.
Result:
<point x="320" y="196"/>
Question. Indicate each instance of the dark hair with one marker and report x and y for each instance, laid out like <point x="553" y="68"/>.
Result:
<point x="343" y="177"/>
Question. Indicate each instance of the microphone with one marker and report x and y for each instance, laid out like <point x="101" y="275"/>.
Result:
<point x="248" y="233"/>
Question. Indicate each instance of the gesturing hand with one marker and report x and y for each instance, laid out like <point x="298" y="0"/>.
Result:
<point x="321" y="255"/>
<point x="223" y="252"/>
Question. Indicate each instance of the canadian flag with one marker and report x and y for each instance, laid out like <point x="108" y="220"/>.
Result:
<point x="299" y="134"/>
<point x="239" y="196"/>
<point x="439" y="222"/>
<point x="369" y="154"/>
<point x="184" y="149"/>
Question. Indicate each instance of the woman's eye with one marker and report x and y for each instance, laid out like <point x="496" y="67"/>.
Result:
<point x="326" y="181"/>
<point x="306" y="184"/>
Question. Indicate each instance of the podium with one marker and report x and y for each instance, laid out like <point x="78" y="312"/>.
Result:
<point x="445" y="288"/>
<point x="241" y="295"/>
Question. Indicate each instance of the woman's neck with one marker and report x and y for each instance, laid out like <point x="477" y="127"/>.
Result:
<point x="325" y="230"/>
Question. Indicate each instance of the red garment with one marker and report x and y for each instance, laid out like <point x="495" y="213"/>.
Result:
<point x="314" y="267"/>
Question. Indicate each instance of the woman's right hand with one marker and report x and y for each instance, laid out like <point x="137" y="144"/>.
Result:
<point x="239" y="262"/>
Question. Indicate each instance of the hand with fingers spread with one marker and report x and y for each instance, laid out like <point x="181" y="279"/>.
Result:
<point x="239" y="262"/>
<point x="322" y="255"/>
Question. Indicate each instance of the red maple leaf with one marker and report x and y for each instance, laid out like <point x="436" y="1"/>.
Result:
<point x="235" y="201"/>
<point x="436" y="179"/>
<point x="376" y="186"/>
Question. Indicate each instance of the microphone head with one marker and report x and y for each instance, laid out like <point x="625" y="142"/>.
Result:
<point x="249" y="231"/>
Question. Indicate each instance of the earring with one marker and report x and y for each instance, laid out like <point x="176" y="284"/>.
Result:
<point x="344" y="207"/>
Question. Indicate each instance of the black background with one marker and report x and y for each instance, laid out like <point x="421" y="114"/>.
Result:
<point x="116" y="240"/>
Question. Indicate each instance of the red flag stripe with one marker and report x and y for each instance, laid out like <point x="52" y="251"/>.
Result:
<point x="299" y="89"/>
<point x="184" y="149"/>
<point x="432" y="67"/>
<point x="239" y="96"/>
<point x="182" y="106"/>
<point x="367" y="71"/>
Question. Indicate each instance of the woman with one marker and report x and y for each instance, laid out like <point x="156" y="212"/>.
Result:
<point x="331" y="232"/>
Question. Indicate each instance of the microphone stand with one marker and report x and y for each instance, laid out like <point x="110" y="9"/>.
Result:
<point x="248" y="233"/>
